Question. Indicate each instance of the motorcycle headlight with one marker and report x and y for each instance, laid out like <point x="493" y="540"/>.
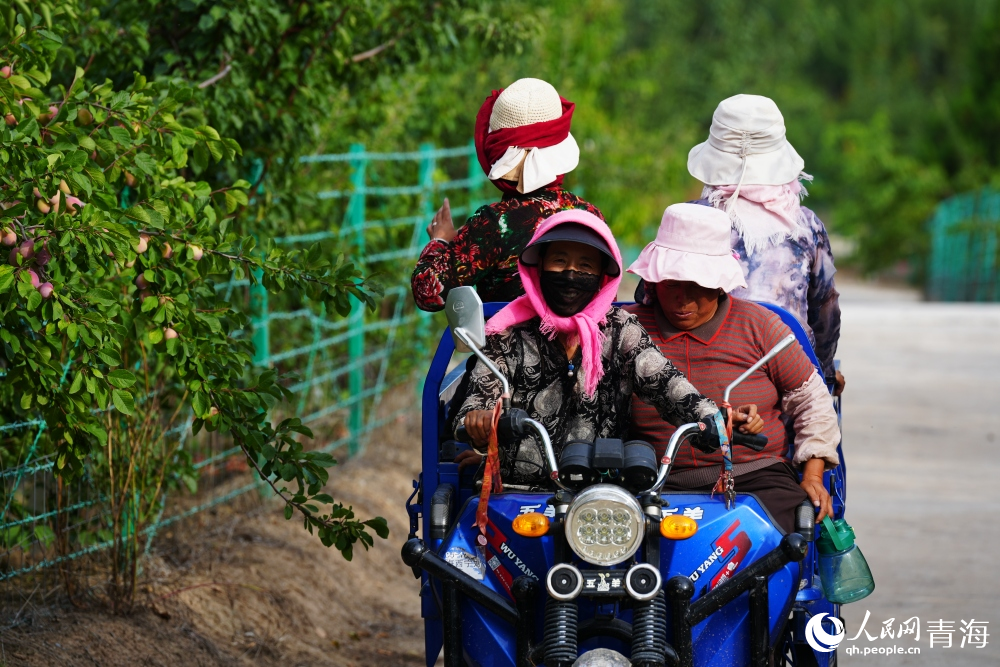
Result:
<point x="604" y="525"/>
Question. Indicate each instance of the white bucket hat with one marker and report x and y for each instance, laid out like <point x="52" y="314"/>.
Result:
<point x="746" y="145"/>
<point x="692" y="245"/>
<point x="526" y="102"/>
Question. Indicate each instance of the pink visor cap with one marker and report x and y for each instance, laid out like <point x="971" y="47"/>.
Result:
<point x="692" y="245"/>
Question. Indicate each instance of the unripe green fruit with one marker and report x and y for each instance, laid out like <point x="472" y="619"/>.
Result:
<point x="84" y="117"/>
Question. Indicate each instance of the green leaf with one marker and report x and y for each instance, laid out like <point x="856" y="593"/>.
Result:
<point x="34" y="300"/>
<point x="110" y="356"/>
<point x="120" y="135"/>
<point x="288" y="512"/>
<point x="379" y="525"/>
<point x="77" y="383"/>
<point x="149" y="303"/>
<point x="145" y="163"/>
<point x="155" y="335"/>
<point x="199" y="158"/>
<point x="19" y="81"/>
<point x="200" y="404"/>
<point x="6" y="277"/>
<point x="138" y="214"/>
<point x="48" y="34"/>
<point x="123" y="401"/>
<point x="121" y="378"/>
<point x="101" y="296"/>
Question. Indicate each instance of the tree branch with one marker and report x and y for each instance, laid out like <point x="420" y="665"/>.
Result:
<point x="218" y="77"/>
<point x="371" y="53"/>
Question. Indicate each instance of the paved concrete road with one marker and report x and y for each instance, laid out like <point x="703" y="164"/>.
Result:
<point x="921" y="436"/>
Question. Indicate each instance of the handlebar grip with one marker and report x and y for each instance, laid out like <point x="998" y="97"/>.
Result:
<point x="754" y="442"/>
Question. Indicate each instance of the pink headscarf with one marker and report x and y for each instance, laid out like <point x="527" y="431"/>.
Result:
<point x="584" y="324"/>
<point x="763" y="215"/>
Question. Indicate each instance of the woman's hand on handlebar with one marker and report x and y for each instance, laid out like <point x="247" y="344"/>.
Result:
<point x="812" y="484"/>
<point x="479" y="425"/>
<point x="747" y="419"/>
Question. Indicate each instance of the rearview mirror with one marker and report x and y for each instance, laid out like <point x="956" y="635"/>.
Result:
<point x="464" y="310"/>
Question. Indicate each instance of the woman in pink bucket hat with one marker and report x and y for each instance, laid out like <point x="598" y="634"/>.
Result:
<point x="688" y="273"/>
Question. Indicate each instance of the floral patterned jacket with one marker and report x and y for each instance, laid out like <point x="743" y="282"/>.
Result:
<point x="537" y="370"/>
<point x="798" y="276"/>
<point x="484" y="252"/>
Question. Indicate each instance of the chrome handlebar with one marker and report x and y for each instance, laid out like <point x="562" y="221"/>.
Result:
<point x="682" y="432"/>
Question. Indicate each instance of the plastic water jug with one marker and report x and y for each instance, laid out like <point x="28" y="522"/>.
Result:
<point x="843" y="570"/>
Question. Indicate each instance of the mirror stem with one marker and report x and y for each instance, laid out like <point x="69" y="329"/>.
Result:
<point x="465" y="338"/>
<point x="782" y="344"/>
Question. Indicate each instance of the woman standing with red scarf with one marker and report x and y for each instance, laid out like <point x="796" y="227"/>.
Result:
<point x="525" y="147"/>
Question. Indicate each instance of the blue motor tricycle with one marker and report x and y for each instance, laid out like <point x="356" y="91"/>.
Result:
<point x="603" y="568"/>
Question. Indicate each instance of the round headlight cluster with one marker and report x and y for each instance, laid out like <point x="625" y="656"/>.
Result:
<point x="604" y="525"/>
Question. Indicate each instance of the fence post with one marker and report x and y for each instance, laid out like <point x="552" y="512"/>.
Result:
<point x="475" y="175"/>
<point x="356" y="320"/>
<point x="421" y="237"/>
<point x="260" y="320"/>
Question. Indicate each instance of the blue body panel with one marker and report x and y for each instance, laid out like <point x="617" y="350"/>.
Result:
<point x="739" y="537"/>
<point x="743" y="534"/>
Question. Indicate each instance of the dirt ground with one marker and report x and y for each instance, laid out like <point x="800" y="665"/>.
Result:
<point x="244" y="587"/>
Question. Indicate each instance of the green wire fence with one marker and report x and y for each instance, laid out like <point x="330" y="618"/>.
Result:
<point x="381" y="204"/>
<point x="965" y="256"/>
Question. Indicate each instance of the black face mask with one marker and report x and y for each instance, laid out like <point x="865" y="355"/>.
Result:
<point x="568" y="292"/>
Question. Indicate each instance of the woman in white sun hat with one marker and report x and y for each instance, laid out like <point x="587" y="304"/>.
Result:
<point x="753" y="173"/>
<point x="691" y="275"/>
<point x="525" y="147"/>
